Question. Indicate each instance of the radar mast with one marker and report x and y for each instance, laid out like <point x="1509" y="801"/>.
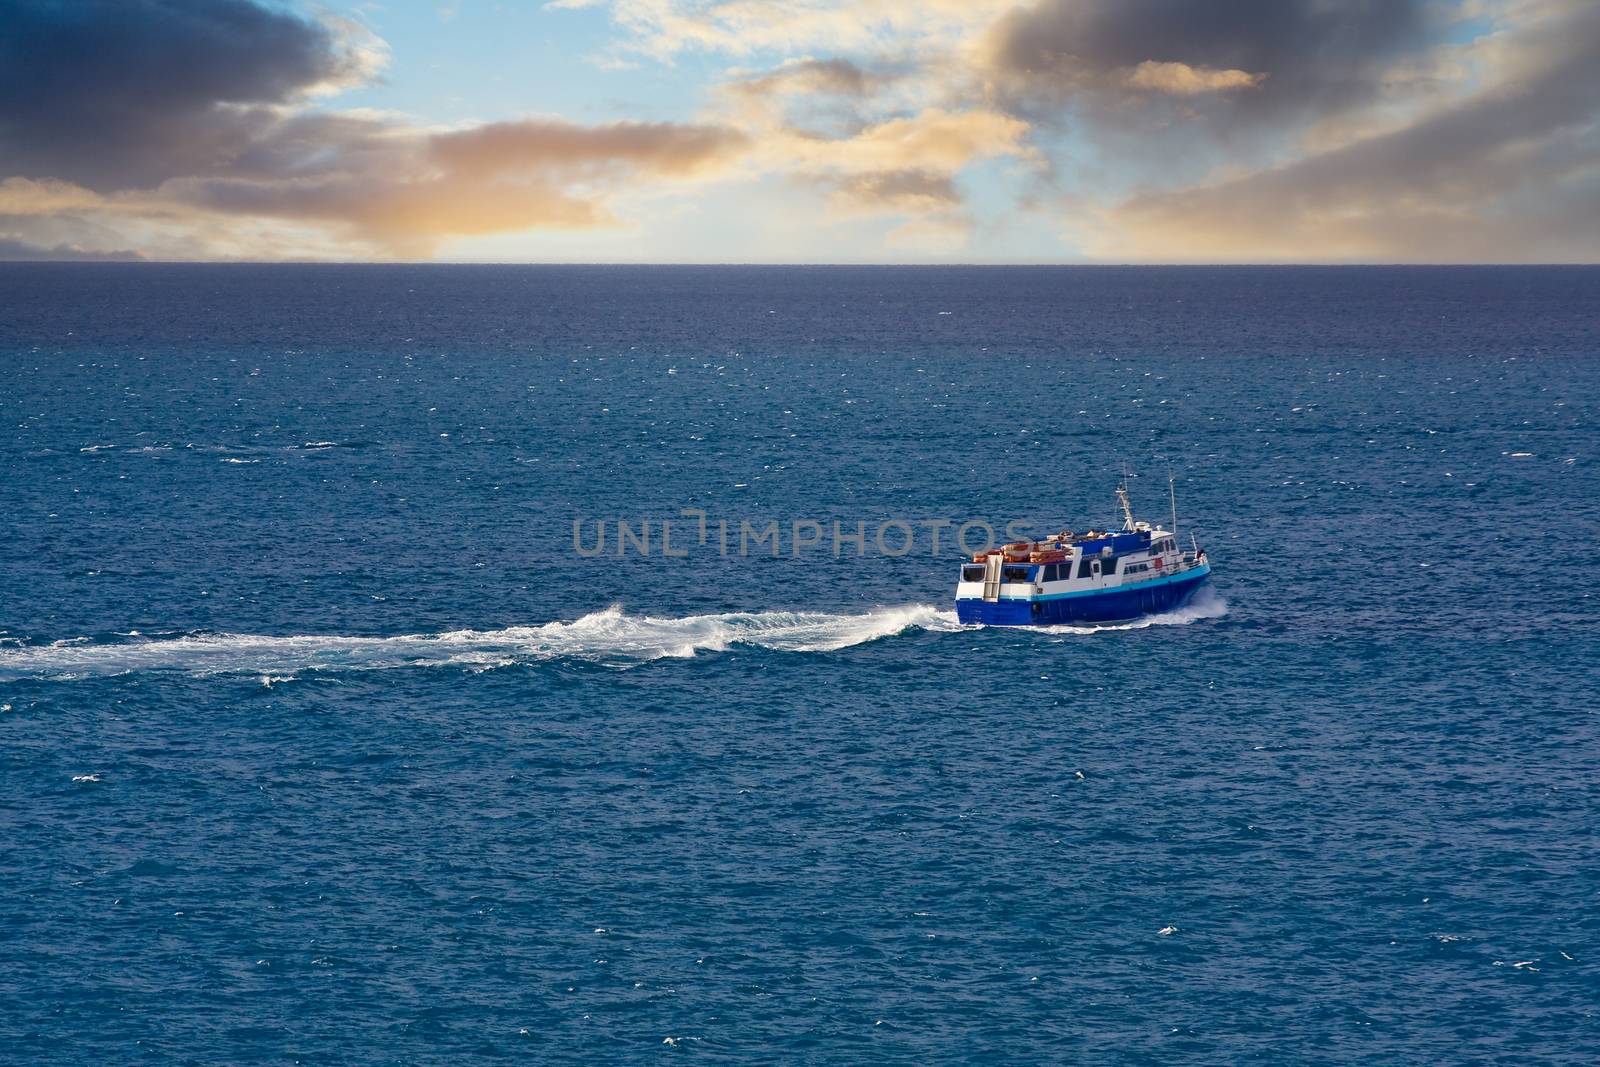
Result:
<point x="1127" y="509"/>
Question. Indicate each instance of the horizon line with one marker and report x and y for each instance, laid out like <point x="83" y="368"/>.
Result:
<point x="877" y="264"/>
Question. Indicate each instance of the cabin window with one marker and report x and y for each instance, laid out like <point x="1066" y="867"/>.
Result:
<point x="1109" y="566"/>
<point x="1083" y="567"/>
<point x="1015" y="574"/>
<point x="972" y="574"/>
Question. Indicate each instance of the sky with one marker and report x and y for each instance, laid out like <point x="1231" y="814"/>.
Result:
<point x="801" y="131"/>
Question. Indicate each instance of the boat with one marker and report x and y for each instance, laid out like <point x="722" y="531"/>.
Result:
<point x="1098" y="576"/>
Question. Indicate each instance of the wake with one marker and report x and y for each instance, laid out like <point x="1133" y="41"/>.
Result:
<point x="609" y="638"/>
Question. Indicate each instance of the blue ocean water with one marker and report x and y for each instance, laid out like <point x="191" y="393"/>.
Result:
<point x="320" y="743"/>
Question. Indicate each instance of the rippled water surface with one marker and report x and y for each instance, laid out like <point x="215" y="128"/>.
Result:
<point x="319" y="743"/>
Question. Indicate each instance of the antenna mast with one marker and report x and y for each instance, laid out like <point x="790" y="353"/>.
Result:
<point x="1172" y="491"/>
<point x="1122" y="498"/>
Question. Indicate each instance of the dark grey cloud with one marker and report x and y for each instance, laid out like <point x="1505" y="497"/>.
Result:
<point x="184" y="111"/>
<point x="120" y="94"/>
<point x="1509" y="173"/>
<point x="1314" y="57"/>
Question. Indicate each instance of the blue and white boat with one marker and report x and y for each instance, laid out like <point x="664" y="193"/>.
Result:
<point x="1096" y="576"/>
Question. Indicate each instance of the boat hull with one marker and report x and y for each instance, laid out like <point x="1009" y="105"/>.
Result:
<point x="1110" y="605"/>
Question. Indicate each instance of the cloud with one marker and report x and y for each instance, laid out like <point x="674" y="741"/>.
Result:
<point x="901" y="192"/>
<point x="13" y="250"/>
<point x="931" y="211"/>
<point x="664" y="28"/>
<point x="406" y="190"/>
<point x="821" y="99"/>
<point x="1147" y="129"/>
<point x="1510" y="172"/>
<point x="1180" y="79"/>
<point x="799" y="89"/>
<point x="23" y="196"/>
<point x="902" y="167"/>
<point x="1299" y="57"/>
<point x="844" y="126"/>
<point x="552" y="147"/>
<point x="392" y="188"/>
<point x="892" y="99"/>
<point x="807" y="75"/>
<point x="117" y="94"/>
<point x="194" y="118"/>
<point x="933" y="140"/>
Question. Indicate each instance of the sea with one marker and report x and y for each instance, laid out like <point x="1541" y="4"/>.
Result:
<point x="557" y="664"/>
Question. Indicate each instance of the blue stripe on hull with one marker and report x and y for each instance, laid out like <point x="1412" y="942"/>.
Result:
<point x="1111" y="606"/>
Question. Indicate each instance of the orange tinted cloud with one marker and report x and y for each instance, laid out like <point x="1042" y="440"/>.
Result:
<point x="909" y="192"/>
<point x="666" y="27"/>
<point x="866" y="136"/>
<point x="563" y="149"/>
<point x="1180" y="79"/>
<point x="407" y="191"/>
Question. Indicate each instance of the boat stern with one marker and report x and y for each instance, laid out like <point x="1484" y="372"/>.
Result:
<point x="977" y="611"/>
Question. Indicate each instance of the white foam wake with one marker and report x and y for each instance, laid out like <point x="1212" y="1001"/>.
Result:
<point x="610" y="637"/>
